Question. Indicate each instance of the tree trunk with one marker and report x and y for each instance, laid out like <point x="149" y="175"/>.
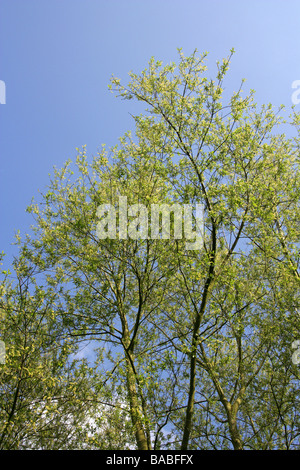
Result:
<point x="135" y="409"/>
<point x="190" y="405"/>
<point x="235" y="435"/>
<point x="233" y="428"/>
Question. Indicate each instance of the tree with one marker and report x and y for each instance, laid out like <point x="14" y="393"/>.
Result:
<point x="196" y="339"/>
<point x="47" y="397"/>
<point x="246" y="177"/>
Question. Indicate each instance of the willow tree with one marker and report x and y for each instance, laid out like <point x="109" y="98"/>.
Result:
<point x="189" y="335"/>
<point x="41" y="392"/>
<point x="228" y="156"/>
<point x="109" y="286"/>
<point x="49" y="397"/>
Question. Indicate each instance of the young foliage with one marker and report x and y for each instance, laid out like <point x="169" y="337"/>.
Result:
<point x="194" y="341"/>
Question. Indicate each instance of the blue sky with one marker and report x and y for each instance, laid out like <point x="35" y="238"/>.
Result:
<point x="57" y="56"/>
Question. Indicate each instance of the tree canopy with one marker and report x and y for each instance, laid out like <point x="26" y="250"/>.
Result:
<point x="193" y="346"/>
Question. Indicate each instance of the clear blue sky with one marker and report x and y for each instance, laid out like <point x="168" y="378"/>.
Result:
<point x="57" y="56"/>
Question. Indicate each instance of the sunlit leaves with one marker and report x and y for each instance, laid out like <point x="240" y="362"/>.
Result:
<point x="195" y="342"/>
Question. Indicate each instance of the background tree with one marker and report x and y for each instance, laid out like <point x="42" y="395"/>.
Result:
<point x="49" y="399"/>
